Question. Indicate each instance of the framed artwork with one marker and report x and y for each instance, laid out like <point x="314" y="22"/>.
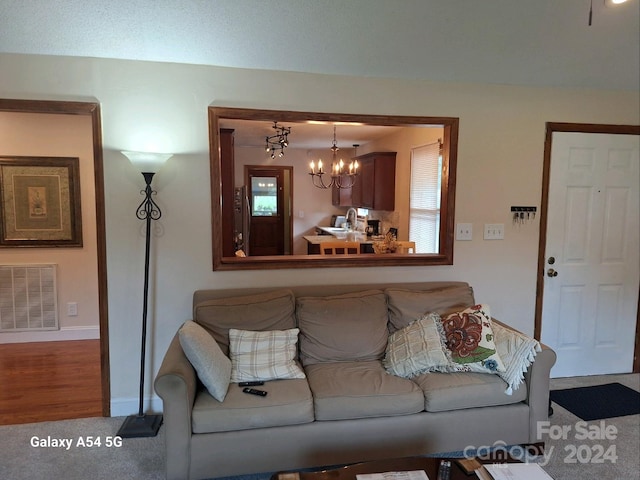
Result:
<point x="40" y="202"/>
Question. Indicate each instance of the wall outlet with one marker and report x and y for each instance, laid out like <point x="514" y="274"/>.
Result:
<point x="494" y="231"/>
<point x="464" y="231"/>
<point x="72" y="309"/>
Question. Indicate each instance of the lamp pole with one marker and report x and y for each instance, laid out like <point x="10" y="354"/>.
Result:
<point x="142" y="425"/>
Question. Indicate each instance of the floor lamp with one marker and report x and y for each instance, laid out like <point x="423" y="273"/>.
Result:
<point x="143" y="425"/>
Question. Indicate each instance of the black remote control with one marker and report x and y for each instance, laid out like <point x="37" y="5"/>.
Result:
<point x="254" y="383"/>
<point x="255" y="391"/>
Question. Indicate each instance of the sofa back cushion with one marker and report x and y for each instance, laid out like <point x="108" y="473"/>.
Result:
<point x="265" y="311"/>
<point x="406" y="306"/>
<point x="342" y="328"/>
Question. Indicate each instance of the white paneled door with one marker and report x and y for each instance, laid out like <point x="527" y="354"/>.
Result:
<point x="592" y="269"/>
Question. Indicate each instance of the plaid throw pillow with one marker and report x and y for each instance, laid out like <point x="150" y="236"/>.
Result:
<point x="268" y="355"/>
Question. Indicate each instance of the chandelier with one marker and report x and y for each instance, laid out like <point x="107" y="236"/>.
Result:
<point x="339" y="177"/>
<point x="279" y="141"/>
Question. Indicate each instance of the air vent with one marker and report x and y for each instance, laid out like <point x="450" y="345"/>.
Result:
<point x="28" y="298"/>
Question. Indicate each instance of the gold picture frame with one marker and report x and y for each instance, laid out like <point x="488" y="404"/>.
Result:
<point x="40" y="202"/>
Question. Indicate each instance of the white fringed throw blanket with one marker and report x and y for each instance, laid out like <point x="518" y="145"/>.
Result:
<point x="517" y="352"/>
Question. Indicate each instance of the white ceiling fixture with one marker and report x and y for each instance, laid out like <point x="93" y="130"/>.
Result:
<point x="607" y="3"/>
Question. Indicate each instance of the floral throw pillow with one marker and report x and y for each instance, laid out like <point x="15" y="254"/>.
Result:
<point x="469" y="339"/>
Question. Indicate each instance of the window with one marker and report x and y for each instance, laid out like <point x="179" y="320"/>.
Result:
<point x="264" y="196"/>
<point x="424" y="197"/>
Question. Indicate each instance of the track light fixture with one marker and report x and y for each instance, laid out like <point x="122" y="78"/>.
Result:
<point x="278" y="142"/>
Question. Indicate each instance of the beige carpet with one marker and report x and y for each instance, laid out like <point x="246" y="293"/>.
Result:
<point x="143" y="459"/>
<point x="571" y="456"/>
<point x="135" y="459"/>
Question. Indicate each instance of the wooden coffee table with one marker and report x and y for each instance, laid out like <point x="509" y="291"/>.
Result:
<point x="349" y="472"/>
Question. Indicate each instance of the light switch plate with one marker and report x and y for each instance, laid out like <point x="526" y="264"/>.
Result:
<point x="494" y="231"/>
<point x="464" y="231"/>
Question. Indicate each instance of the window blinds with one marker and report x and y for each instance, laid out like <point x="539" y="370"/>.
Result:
<point x="424" y="198"/>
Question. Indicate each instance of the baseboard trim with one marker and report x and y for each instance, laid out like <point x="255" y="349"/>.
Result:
<point x="121" y="407"/>
<point x="64" y="334"/>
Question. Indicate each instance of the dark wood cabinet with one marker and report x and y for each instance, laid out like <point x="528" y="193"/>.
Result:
<point x="341" y="197"/>
<point x="375" y="186"/>
<point x="227" y="166"/>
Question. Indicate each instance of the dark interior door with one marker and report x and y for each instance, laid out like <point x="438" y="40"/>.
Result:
<point x="266" y="199"/>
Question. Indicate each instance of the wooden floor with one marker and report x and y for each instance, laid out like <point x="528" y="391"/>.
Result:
<point x="49" y="381"/>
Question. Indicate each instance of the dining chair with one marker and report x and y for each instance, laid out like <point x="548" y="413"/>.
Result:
<point x="404" y="246"/>
<point x="340" y="247"/>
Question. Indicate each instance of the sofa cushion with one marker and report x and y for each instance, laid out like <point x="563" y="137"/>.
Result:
<point x="416" y="349"/>
<point x="263" y="355"/>
<point x="266" y="311"/>
<point x="406" y="306"/>
<point x="212" y="366"/>
<point x="348" y="390"/>
<point x="344" y="328"/>
<point x="455" y="391"/>
<point x="288" y="402"/>
<point x="469" y="340"/>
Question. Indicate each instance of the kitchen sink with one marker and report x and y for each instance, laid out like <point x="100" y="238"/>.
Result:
<point x="334" y="229"/>
<point x="344" y="234"/>
<point x="337" y="232"/>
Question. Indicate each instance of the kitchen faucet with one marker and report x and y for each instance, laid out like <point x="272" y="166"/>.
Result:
<point x="352" y="225"/>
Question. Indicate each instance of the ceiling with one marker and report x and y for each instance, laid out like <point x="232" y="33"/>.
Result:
<point x="304" y="135"/>
<point x="515" y="42"/>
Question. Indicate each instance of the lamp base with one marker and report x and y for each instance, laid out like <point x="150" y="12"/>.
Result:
<point x="140" y="426"/>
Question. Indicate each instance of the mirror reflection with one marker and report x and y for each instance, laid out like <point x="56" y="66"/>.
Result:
<point x="286" y="186"/>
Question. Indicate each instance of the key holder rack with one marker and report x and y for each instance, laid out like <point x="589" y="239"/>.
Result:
<point x="522" y="215"/>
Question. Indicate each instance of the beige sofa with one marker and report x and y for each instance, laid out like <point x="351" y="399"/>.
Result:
<point x="348" y="408"/>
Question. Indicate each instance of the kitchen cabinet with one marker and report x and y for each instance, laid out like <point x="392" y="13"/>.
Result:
<point x="341" y="197"/>
<point x="375" y="186"/>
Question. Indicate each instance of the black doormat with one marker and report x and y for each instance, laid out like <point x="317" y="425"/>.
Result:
<point x="599" y="401"/>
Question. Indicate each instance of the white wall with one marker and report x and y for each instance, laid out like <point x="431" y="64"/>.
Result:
<point x="499" y="164"/>
<point x="31" y="134"/>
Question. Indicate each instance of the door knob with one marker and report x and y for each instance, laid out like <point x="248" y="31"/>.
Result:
<point x="552" y="273"/>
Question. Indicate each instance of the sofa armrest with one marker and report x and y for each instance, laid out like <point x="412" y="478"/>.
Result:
<point x="176" y="384"/>
<point x="537" y="381"/>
